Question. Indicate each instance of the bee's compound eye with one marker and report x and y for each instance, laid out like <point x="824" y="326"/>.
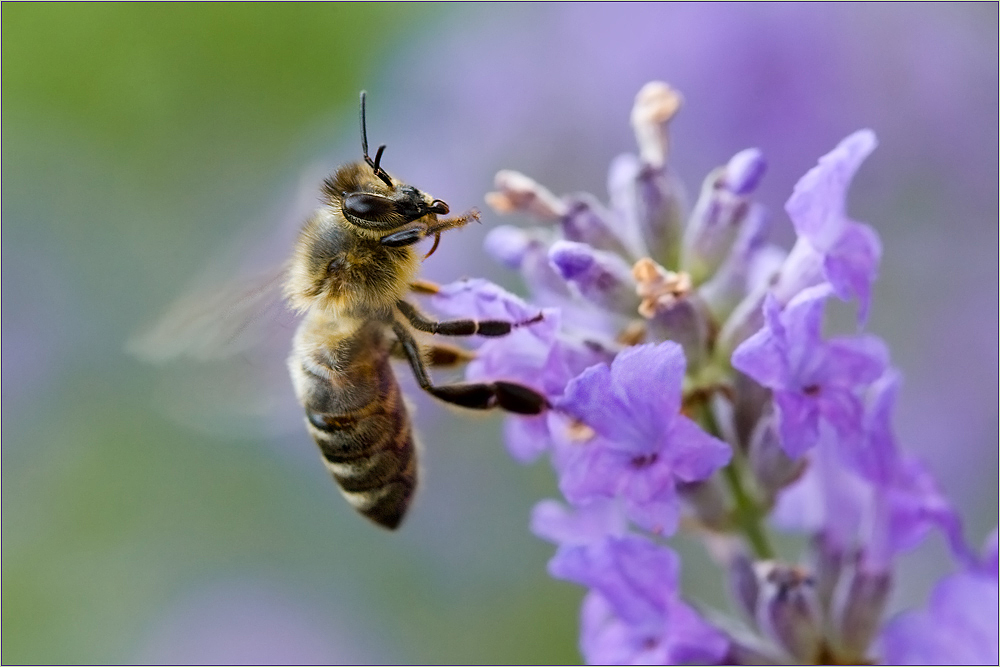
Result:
<point x="367" y="206"/>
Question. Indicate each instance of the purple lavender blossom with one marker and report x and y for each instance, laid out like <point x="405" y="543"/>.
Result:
<point x="633" y="613"/>
<point x="845" y="252"/>
<point x="814" y="381"/>
<point x="691" y="385"/>
<point x="959" y="626"/>
<point x="831" y="249"/>
<point x="540" y="356"/>
<point x="641" y="447"/>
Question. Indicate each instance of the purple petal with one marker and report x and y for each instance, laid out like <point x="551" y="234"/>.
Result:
<point x="816" y="206"/>
<point x="650" y="377"/>
<point x="851" y="265"/>
<point x="553" y="521"/>
<point x="691" y="641"/>
<point x="798" y="422"/>
<point x="684" y="638"/>
<point x="634" y="575"/>
<point x="763" y="356"/>
<point x="802" y="321"/>
<point x="693" y="454"/>
<point x="604" y="638"/>
<point x="651" y="499"/>
<point x="632" y="403"/>
<point x="744" y="171"/>
<point x="527" y="438"/>
<point x="849" y="251"/>
<point x="855" y="361"/>
<point x="959" y="627"/>
<point x="481" y="299"/>
<point x="589" y="471"/>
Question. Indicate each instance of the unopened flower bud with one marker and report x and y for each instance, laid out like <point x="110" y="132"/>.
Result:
<point x="586" y="220"/>
<point x="517" y="192"/>
<point x="788" y="611"/>
<point x="858" y="613"/>
<point x="655" y="104"/>
<point x="723" y="209"/>
<point x="602" y="277"/>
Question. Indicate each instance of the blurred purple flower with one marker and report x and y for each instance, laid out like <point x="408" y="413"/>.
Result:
<point x="633" y="613"/>
<point x="865" y="497"/>
<point x="959" y="626"/>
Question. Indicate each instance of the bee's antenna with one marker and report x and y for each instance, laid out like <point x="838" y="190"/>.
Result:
<point x="374" y="164"/>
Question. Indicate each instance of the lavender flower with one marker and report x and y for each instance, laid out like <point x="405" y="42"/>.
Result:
<point x="692" y="386"/>
<point x="814" y="382"/>
<point x="634" y="613"/>
<point x="639" y="448"/>
<point x="959" y="627"/>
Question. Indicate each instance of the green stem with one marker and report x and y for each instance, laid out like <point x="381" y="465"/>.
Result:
<point x="747" y="514"/>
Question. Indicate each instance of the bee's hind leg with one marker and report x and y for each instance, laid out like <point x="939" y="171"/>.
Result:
<point x="475" y="395"/>
<point x="459" y="327"/>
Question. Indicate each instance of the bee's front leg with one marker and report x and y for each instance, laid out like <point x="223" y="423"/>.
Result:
<point x="459" y="327"/>
<point x="421" y="230"/>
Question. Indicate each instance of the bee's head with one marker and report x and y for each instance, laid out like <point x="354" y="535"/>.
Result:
<point x="371" y="200"/>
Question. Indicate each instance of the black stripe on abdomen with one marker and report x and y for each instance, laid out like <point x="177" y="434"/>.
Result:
<point x="370" y="453"/>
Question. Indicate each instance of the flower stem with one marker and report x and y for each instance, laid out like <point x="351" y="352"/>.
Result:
<point x="747" y="514"/>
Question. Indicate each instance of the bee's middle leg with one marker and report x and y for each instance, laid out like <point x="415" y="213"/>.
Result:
<point x="475" y="395"/>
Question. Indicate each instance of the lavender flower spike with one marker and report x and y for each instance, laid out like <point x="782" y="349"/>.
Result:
<point x="736" y="418"/>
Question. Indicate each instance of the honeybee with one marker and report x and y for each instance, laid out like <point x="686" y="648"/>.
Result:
<point x="353" y="266"/>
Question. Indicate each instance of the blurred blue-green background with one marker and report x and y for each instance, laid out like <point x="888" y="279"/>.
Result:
<point x="181" y="514"/>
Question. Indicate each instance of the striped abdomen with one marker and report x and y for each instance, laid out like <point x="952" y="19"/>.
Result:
<point x="355" y="413"/>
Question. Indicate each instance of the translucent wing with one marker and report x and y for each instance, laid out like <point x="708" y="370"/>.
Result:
<point x="238" y="329"/>
<point x="234" y="306"/>
<point x="216" y="323"/>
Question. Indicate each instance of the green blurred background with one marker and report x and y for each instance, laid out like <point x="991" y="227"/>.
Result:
<point x="138" y="142"/>
<point x="181" y="514"/>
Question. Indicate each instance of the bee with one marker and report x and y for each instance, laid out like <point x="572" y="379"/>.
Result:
<point x="352" y="268"/>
